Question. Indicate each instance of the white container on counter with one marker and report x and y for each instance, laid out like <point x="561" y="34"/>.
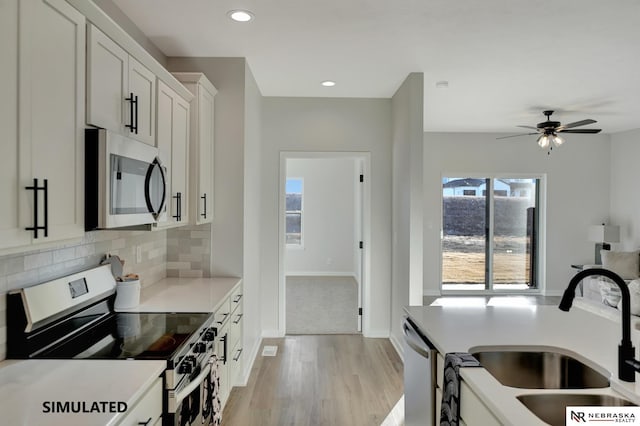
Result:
<point x="127" y="294"/>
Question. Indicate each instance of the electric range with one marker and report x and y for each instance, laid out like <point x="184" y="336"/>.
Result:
<point x="73" y="318"/>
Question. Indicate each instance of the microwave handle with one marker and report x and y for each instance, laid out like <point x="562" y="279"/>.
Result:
<point x="147" y="184"/>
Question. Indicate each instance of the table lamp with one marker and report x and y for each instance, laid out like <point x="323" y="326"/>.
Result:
<point x="602" y="235"/>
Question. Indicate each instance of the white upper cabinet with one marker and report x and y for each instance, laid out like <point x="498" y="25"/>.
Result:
<point x="173" y="141"/>
<point x="42" y="119"/>
<point x="120" y="90"/>
<point x="201" y="147"/>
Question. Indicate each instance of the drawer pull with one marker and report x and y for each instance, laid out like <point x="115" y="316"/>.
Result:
<point x="238" y="318"/>
<point x="145" y="423"/>
<point x="237" y="357"/>
<point x="224" y="318"/>
<point x="237" y="298"/>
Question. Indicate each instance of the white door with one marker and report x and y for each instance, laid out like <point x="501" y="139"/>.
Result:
<point x="51" y="116"/>
<point x="107" y="82"/>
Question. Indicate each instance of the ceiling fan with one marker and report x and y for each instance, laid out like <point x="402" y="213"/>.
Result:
<point x="548" y="131"/>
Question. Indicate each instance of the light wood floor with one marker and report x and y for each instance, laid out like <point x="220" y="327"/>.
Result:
<point x="342" y="380"/>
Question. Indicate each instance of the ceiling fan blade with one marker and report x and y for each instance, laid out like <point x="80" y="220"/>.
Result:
<point x="580" y="131"/>
<point x="576" y="124"/>
<point x="529" y="127"/>
<point x="520" y="134"/>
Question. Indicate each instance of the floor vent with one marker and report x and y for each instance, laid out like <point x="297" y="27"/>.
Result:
<point x="269" y="350"/>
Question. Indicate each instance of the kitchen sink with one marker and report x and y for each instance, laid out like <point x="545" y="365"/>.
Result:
<point x="532" y="369"/>
<point x="551" y="407"/>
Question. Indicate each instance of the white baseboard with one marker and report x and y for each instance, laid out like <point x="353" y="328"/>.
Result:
<point x="320" y="274"/>
<point x="398" y="347"/>
<point x="376" y="334"/>
<point x="244" y="379"/>
<point x="272" y="334"/>
<point x="431" y="293"/>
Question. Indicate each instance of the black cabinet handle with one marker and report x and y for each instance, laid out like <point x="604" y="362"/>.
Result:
<point x="224" y="350"/>
<point x="237" y="357"/>
<point x="223" y="319"/>
<point x="35" y="188"/>
<point x="178" y="197"/>
<point x="237" y="299"/>
<point x="133" y="113"/>
<point x="204" y="197"/>
<point x="238" y="318"/>
<point x="145" y="423"/>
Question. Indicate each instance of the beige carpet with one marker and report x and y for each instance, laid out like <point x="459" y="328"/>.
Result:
<point x="322" y="305"/>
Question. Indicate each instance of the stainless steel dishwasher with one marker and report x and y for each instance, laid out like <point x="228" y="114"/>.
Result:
<point x="419" y="376"/>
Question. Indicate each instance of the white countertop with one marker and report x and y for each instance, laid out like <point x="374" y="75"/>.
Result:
<point x="185" y="295"/>
<point x="586" y="336"/>
<point x="27" y="385"/>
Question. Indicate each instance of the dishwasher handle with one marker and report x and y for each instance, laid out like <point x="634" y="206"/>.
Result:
<point x="414" y="340"/>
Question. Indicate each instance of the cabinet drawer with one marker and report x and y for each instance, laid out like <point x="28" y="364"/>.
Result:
<point x="236" y="298"/>
<point x="222" y="314"/>
<point x="235" y="329"/>
<point x="148" y="409"/>
<point x="235" y="364"/>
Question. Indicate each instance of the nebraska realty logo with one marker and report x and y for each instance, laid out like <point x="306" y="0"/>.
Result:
<point x="582" y="415"/>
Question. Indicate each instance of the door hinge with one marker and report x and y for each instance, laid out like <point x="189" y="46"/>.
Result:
<point x="361" y="178"/>
<point x="361" y="245"/>
<point x="359" y="311"/>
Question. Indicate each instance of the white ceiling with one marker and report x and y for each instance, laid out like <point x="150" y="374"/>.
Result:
<point x="505" y="60"/>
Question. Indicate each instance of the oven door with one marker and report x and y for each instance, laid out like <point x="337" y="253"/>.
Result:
<point x="195" y="403"/>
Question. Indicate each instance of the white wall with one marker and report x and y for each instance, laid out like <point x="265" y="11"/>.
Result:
<point x="577" y="192"/>
<point x="328" y="217"/>
<point x="625" y="195"/>
<point x="408" y="201"/>
<point x="228" y="76"/>
<point x="328" y="125"/>
<point x="252" y="214"/>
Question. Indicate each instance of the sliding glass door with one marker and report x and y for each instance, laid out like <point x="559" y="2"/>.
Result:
<point x="490" y="233"/>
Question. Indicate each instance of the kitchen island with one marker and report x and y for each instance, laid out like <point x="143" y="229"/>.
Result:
<point x="588" y="337"/>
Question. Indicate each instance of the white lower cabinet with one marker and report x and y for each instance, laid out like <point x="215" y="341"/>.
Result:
<point x="228" y="319"/>
<point x="42" y="157"/>
<point x="148" y="409"/>
<point x="473" y="411"/>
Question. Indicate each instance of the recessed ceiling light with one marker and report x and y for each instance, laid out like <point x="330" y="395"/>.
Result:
<point x="240" y="15"/>
<point x="328" y="83"/>
<point x="442" y="84"/>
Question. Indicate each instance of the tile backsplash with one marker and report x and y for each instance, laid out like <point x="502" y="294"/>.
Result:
<point x="41" y="265"/>
<point x="189" y="251"/>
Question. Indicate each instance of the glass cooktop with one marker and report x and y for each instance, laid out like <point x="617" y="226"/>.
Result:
<point x="131" y="335"/>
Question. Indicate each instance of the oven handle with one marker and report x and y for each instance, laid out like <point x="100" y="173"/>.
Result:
<point x="191" y="386"/>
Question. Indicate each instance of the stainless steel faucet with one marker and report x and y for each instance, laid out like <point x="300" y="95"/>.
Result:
<point x="627" y="365"/>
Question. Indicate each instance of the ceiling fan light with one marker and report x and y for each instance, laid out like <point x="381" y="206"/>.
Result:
<point x="557" y="140"/>
<point x="543" y="141"/>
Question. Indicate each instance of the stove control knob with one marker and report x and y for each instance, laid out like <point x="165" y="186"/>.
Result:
<point x="200" y="347"/>
<point x="187" y="365"/>
<point x="209" y="335"/>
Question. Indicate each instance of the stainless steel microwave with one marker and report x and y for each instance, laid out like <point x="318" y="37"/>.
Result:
<point x="125" y="182"/>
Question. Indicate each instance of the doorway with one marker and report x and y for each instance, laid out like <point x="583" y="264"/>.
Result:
<point x="323" y="256"/>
